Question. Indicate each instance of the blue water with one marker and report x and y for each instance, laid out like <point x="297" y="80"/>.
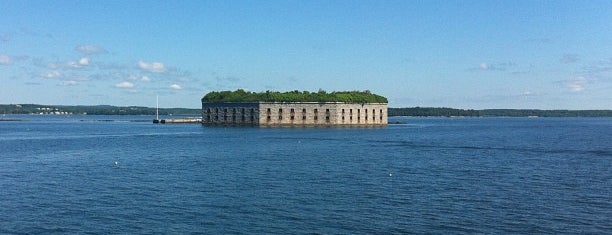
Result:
<point x="431" y="175"/>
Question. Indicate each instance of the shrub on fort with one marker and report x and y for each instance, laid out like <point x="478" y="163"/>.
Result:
<point x="294" y="96"/>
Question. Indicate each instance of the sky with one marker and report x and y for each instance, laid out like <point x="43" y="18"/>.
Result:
<point x="468" y="54"/>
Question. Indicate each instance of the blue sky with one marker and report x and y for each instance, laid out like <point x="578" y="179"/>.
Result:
<point x="461" y="54"/>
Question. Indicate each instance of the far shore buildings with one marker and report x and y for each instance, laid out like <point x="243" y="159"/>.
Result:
<point x="218" y="111"/>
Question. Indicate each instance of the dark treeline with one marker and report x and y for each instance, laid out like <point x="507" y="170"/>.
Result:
<point x="447" y="112"/>
<point x="294" y="96"/>
<point x="432" y="112"/>
<point x="545" y="113"/>
<point x="92" y="110"/>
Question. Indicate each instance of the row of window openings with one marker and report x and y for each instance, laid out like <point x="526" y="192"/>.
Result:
<point x="293" y="111"/>
<point x="233" y="110"/>
<point x="280" y="117"/>
<point x="252" y="118"/>
<point x="327" y="111"/>
<point x="359" y="118"/>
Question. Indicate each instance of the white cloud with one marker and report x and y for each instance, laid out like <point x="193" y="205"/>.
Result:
<point x="73" y="64"/>
<point x="69" y="83"/>
<point x="503" y="66"/>
<point x="143" y="78"/>
<point x="175" y="87"/>
<point x="52" y="74"/>
<point x="5" y="60"/>
<point x="90" y="49"/>
<point x="84" y="61"/>
<point x="155" y="67"/>
<point x="126" y="85"/>
<point x="577" y="85"/>
<point x="484" y="66"/>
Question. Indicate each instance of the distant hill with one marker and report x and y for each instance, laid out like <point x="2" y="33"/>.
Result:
<point x="91" y="110"/>
<point x="450" y="112"/>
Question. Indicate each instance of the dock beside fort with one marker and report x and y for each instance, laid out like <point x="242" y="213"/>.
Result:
<point x="177" y="120"/>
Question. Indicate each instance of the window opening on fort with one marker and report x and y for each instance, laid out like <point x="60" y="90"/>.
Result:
<point x="303" y="110"/>
<point x="280" y="110"/>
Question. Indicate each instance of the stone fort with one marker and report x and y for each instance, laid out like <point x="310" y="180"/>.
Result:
<point x="298" y="113"/>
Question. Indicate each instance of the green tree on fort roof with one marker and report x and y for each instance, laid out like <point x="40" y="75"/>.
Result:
<point x="294" y="96"/>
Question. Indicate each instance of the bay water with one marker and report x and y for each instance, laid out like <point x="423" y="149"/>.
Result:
<point x="123" y="174"/>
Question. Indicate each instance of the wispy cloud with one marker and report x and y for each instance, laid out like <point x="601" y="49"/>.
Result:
<point x="486" y="66"/>
<point x="69" y="83"/>
<point x="155" y="67"/>
<point x="90" y="49"/>
<point x="569" y="58"/>
<point x="83" y="62"/>
<point x="175" y="87"/>
<point x="483" y="66"/>
<point x="5" y="60"/>
<point x="141" y="78"/>
<point x="577" y="85"/>
<point x="125" y="85"/>
<point x="599" y="67"/>
<point x="52" y="74"/>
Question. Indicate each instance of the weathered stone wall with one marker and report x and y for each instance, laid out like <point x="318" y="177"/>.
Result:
<point x="228" y="113"/>
<point x="322" y="114"/>
<point x="294" y="113"/>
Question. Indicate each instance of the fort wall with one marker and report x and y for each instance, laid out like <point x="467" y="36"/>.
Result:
<point x="293" y="113"/>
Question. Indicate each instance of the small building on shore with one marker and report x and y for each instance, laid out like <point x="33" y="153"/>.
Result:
<point x="294" y="108"/>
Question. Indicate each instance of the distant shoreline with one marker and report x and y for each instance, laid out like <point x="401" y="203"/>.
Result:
<point x="37" y="109"/>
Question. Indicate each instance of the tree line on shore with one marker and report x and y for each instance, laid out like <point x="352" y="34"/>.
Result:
<point x="91" y="110"/>
<point x="450" y="112"/>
